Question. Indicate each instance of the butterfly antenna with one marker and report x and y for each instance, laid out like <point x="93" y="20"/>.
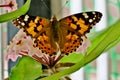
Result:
<point x="66" y="2"/>
<point x="46" y="5"/>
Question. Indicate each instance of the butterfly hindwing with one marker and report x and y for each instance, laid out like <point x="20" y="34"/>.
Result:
<point x="78" y="25"/>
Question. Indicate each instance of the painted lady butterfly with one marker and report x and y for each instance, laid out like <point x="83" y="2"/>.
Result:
<point x="64" y="35"/>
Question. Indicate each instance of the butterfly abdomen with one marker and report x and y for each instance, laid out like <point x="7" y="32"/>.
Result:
<point x="54" y="29"/>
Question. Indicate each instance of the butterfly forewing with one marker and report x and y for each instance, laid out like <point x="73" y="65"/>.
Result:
<point x="82" y="22"/>
<point x="78" y="25"/>
<point x="32" y="25"/>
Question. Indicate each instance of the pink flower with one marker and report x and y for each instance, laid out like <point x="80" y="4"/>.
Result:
<point x="10" y="5"/>
<point x="22" y="44"/>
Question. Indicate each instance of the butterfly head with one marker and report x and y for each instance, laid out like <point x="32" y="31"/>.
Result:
<point x="54" y="18"/>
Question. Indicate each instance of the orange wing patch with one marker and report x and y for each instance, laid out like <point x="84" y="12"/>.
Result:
<point x="83" y="27"/>
<point x="43" y="44"/>
<point x="73" y="26"/>
<point x="72" y="43"/>
<point x="78" y="24"/>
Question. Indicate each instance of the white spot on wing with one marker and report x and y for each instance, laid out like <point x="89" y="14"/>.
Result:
<point x="19" y="22"/>
<point x="17" y="19"/>
<point x="26" y="18"/>
<point x="93" y="18"/>
<point x="90" y="20"/>
<point x="22" y="24"/>
<point x="85" y="15"/>
<point x="93" y="12"/>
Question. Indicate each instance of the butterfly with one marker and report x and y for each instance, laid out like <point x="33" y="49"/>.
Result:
<point x="64" y="35"/>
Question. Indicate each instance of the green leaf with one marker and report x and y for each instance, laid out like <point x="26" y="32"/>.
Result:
<point x="109" y="38"/>
<point x="106" y="40"/>
<point x="26" y="69"/>
<point x="96" y="35"/>
<point x="72" y="58"/>
<point x="16" y="13"/>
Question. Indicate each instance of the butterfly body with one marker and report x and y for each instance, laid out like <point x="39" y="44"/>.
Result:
<point x="54" y="35"/>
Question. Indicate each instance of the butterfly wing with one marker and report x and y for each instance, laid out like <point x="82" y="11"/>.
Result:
<point x="39" y="30"/>
<point x="77" y="26"/>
